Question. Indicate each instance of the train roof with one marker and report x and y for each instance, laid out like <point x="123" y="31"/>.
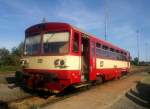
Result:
<point x="99" y="39"/>
<point x="47" y="25"/>
<point x="61" y="25"/>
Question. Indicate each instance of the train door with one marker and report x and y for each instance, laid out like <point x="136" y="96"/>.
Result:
<point x="85" y="58"/>
<point x="92" y="60"/>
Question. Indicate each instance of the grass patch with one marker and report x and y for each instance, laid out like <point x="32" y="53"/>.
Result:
<point x="9" y="69"/>
<point x="146" y="80"/>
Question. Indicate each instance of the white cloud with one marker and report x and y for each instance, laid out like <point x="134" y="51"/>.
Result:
<point x="121" y="34"/>
<point x="77" y="13"/>
<point x="22" y="10"/>
<point x="121" y="29"/>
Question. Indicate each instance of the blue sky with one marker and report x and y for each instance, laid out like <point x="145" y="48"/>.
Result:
<point x="125" y="17"/>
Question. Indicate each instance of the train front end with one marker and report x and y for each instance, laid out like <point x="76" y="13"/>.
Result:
<point x="47" y="63"/>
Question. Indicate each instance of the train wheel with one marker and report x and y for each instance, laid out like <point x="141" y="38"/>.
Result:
<point x="99" y="79"/>
<point x="123" y="74"/>
<point x="19" y="77"/>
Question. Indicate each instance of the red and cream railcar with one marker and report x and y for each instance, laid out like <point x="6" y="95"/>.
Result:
<point x="58" y="55"/>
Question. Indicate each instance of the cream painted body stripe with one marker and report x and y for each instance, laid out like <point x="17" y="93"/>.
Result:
<point x="71" y="62"/>
<point x="108" y="63"/>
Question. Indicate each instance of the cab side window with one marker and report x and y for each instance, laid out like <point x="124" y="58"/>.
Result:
<point x="76" y="43"/>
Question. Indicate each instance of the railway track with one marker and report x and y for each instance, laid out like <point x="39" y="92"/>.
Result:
<point x="41" y="101"/>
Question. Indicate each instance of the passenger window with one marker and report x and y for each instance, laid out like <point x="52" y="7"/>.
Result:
<point x="98" y="45"/>
<point x="76" y="42"/>
<point x="104" y="47"/>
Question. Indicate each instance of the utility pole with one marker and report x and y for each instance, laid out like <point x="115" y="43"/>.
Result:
<point x="106" y="18"/>
<point x="149" y="53"/>
<point x="44" y="20"/>
<point x="146" y="55"/>
<point x="138" y="51"/>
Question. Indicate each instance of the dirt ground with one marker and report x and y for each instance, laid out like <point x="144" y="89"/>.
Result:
<point x="116" y="94"/>
<point x="136" y="98"/>
<point x="10" y="92"/>
<point x="101" y="97"/>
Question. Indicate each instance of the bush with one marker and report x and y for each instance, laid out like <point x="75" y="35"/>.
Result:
<point x="135" y="61"/>
<point x="12" y="58"/>
<point x="9" y="68"/>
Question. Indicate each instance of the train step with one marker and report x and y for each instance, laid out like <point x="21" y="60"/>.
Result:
<point x="82" y="85"/>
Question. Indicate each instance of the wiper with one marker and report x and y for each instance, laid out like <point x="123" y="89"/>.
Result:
<point x="50" y="37"/>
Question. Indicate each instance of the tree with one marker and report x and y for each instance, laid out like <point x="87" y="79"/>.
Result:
<point x="3" y="54"/>
<point x="11" y="58"/>
<point x="135" y="61"/>
<point x="18" y="51"/>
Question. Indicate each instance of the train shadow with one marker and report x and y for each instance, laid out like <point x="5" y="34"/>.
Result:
<point x="3" y="105"/>
<point x="7" y="80"/>
<point x="10" y="80"/>
<point x="46" y="94"/>
<point x="141" y="95"/>
<point x="39" y="93"/>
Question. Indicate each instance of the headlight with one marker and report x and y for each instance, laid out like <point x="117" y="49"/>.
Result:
<point x="59" y="63"/>
<point x="24" y="62"/>
<point x="62" y="62"/>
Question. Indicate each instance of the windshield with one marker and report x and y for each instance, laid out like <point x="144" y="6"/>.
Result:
<point x="53" y="43"/>
<point x="56" y="43"/>
<point x="32" y="45"/>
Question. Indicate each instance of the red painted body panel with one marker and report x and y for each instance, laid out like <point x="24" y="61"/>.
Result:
<point x="46" y="27"/>
<point x="66" y="77"/>
<point x="111" y="73"/>
<point x="92" y="73"/>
